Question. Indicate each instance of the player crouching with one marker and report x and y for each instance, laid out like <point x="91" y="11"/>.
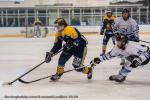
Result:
<point x="135" y="55"/>
<point x="75" y="45"/>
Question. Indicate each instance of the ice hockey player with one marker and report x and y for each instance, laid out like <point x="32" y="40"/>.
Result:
<point x="106" y="29"/>
<point x="75" y="45"/>
<point x="128" y="26"/>
<point x="37" y="28"/>
<point x="134" y="53"/>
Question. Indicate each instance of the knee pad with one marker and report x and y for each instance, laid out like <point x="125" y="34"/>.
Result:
<point x="76" y="63"/>
<point x="134" y="60"/>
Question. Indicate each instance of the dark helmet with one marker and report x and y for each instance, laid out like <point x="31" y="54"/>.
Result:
<point x="126" y="11"/>
<point x="121" y="37"/>
<point x="60" y="21"/>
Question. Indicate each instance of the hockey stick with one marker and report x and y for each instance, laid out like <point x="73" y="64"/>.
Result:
<point x="28" y="82"/>
<point x="144" y="41"/>
<point x="10" y="83"/>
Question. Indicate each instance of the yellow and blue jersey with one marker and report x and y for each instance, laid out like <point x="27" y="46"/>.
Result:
<point x="107" y="22"/>
<point x="71" y="32"/>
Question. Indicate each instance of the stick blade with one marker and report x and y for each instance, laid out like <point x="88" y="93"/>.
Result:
<point x="22" y="81"/>
<point x="7" y="83"/>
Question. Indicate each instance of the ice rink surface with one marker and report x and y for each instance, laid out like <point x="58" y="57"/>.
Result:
<point x="18" y="55"/>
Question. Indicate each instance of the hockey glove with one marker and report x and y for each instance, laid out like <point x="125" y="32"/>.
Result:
<point x="133" y="37"/>
<point x="95" y="61"/>
<point x="48" y="56"/>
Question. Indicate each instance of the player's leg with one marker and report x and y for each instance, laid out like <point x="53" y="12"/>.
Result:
<point x="64" y="57"/>
<point x="105" y="41"/>
<point x="132" y="61"/>
<point x="125" y="70"/>
<point x="113" y="38"/>
<point x="79" y="57"/>
<point x="121" y="76"/>
<point x="122" y="61"/>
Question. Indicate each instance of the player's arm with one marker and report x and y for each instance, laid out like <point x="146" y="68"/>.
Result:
<point x="104" y="57"/>
<point x="112" y="21"/>
<point x="103" y="26"/>
<point x="57" y="46"/>
<point x="135" y="28"/>
<point x="115" y="25"/>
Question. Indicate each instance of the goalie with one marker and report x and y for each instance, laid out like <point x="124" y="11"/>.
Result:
<point x="75" y="45"/>
<point x="134" y="53"/>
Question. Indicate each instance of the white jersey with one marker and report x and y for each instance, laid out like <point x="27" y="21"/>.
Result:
<point x="131" y="48"/>
<point x="128" y="26"/>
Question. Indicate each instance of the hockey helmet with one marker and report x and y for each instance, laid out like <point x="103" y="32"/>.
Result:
<point x="60" y="21"/>
<point x="121" y="37"/>
<point x="126" y="11"/>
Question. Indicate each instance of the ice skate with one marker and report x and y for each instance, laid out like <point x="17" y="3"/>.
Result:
<point x="117" y="78"/>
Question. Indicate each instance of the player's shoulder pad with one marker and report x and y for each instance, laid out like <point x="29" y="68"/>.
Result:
<point x="132" y="20"/>
<point x="70" y="31"/>
<point x="69" y="28"/>
<point x="118" y="19"/>
<point x="113" y="17"/>
<point x="105" y="17"/>
<point x="57" y="35"/>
